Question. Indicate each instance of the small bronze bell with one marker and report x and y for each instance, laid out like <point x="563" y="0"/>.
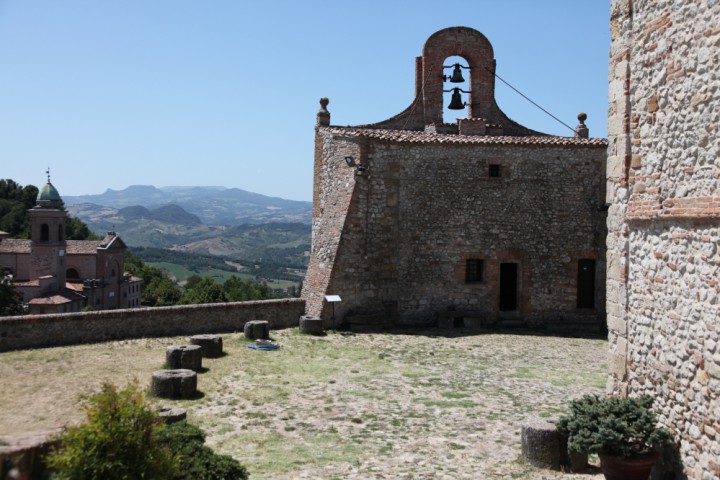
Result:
<point x="457" y="75"/>
<point x="456" y="102"/>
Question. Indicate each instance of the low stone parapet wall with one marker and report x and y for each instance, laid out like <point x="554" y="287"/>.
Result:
<point x="31" y="331"/>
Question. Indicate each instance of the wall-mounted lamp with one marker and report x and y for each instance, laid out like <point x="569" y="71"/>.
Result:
<point x="456" y="102"/>
<point x="350" y="161"/>
<point x="360" y="169"/>
<point x="457" y="76"/>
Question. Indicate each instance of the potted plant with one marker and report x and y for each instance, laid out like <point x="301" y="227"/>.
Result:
<point x="622" y="431"/>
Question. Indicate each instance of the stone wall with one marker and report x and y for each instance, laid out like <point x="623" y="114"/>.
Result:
<point x="32" y="331"/>
<point x="664" y="220"/>
<point x="394" y="241"/>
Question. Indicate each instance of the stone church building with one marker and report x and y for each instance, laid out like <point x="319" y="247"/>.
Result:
<point x="478" y="222"/>
<point x="56" y="275"/>
<point x="663" y="169"/>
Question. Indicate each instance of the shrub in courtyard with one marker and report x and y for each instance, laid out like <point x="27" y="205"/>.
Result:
<point x="613" y="426"/>
<point x="197" y="461"/>
<point x="119" y="440"/>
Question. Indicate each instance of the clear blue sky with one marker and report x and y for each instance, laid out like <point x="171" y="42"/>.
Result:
<point x="176" y="92"/>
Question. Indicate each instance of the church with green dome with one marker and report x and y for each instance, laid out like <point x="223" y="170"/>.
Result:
<point x="56" y="275"/>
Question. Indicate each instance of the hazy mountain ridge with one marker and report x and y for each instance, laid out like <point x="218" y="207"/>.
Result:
<point x="168" y="213"/>
<point x="262" y="229"/>
<point x="211" y="205"/>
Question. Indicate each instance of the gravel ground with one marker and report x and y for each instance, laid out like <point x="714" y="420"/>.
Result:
<point x="421" y="406"/>
<point x="401" y="405"/>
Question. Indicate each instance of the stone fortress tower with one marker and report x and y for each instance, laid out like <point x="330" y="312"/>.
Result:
<point x="479" y="222"/>
<point x="663" y="173"/>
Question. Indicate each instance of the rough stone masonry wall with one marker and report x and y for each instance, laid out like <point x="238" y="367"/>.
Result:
<point x="333" y="189"/>
<point x="421" y="210"/>
<point x="664" y="219"/>
<point x="32" y="331"/>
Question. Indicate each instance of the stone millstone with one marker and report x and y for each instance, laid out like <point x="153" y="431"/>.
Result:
<point x="311" y="326"/>
<point x="211" y="345"/>
<point x="540" y="444"/>
<point x="170" y="415"/>
<point x="184" y="356"/>
<point x="257" y="329"/>
<point x="177" y="384"/>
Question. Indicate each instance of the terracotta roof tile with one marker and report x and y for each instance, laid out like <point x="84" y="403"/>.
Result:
<point x="409" y="136"/>
<point x="65" y="296"/>
<point x="79" y="247"/>
<point x="14" y="245"/>
<point x="76" y="287"/>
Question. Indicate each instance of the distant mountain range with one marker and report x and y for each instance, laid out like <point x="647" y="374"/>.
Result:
<point x="210" y="205"/>
<point x="226" y="222"/>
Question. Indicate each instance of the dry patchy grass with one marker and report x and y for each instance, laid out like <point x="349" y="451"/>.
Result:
<point x="340" y="406"/>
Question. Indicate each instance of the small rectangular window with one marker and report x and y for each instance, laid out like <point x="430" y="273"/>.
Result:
<point x="586" y="283"/>
<point x="494" y="171"/>
<point x="473" y="270"/>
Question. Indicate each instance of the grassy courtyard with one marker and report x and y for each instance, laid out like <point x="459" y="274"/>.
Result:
<point x="412" y="406"/>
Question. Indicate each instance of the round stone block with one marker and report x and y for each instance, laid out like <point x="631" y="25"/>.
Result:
<point x="177" y="384"/>
<point x="540" y="443"/>
<point x="257" y="329"/>
<point x="210" y="345"/>
<point x="184" y="356"/>
<point x="170" y="415"/>
<point x="311" y="326"/>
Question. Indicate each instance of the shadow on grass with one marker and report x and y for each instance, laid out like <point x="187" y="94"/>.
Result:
<point x="460" y="332"/>
<point x="221" y="355"/>
<point x="198" y="395"/>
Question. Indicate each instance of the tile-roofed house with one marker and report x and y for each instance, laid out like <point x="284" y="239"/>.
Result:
<point x="59" y="275"/>
<point x="476" y="221"/>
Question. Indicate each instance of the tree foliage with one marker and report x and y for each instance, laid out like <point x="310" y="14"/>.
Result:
<point x="119" y="440"/>
<point x="158" y="289"/>
<point x="122" y="438"/>
<point x="76" y="229"/>
<point x="10" y="298"/>
<point x="206" y="290"/>
<point x="238" y="290"/>
<point x="197" y="461"/>
<point x="15" y="201"/>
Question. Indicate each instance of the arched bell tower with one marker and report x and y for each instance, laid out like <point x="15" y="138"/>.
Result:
<point x="475" y="48"/>
<point x="47" y="234"/>
<point x="431" y="74"/>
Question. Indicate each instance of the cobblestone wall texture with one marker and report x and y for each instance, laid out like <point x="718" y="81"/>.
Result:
<point x="32" y="331"/>
<point x="664" y="221"/>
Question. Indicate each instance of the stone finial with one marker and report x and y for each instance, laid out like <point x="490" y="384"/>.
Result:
<point x="582" y="131"/>
<point x="323" y="116"/>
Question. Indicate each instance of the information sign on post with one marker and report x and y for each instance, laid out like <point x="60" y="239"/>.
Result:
<point x="333" y="299"/>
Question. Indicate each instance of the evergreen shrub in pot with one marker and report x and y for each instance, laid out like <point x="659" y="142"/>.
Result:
<point x="623" y="432"/>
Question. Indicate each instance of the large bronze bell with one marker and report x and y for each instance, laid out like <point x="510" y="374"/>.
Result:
<point x="456" y="102"/>
<point x="457" y="75"/>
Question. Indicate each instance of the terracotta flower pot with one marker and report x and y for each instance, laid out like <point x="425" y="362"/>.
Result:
<point x="627" y="468"/>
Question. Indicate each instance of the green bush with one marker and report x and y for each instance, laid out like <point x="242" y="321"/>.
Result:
<point x="613" y="426"/>
<point x="197" y="461"/>
<point x="119" y="440"/>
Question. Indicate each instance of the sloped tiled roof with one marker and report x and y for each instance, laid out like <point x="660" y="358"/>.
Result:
<point x="76" y="287"/>
<point x="82" y="247"/>
<point x="409" y="136"/>
<point x="111" y="241"/>
<point x="73" y="247"/>
<point x="15" y="245"/>
<point x="64" y="296"/>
